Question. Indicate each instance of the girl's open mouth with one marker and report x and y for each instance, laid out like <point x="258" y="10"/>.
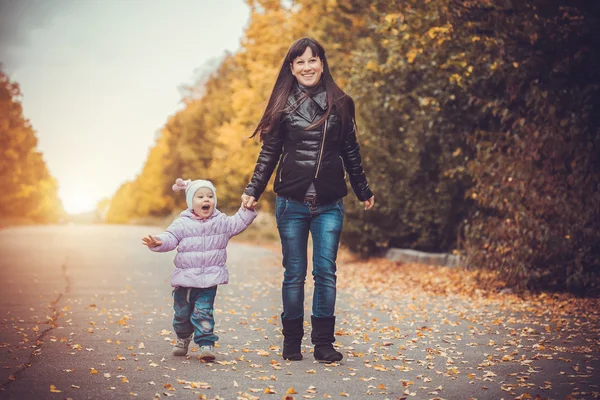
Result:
<point x="206" y="208"/>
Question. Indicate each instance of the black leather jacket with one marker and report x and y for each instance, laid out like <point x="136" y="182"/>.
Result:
<point x="305" y="156"/>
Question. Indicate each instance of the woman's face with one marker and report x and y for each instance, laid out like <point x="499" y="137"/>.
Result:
<point x="307" y="68"/>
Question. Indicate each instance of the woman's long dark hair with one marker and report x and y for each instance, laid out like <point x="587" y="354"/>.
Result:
<point x="286" y="81"/>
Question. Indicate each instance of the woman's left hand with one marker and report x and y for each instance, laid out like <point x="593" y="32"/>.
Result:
<point x="248" y="202"/>
<point x="370" y="203"/>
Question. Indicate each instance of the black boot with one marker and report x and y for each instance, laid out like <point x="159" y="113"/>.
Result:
<point x="323" y="339"/>
<point x="293" y="331"/>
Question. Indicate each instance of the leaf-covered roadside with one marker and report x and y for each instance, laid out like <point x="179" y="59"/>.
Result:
<point x="397" y="279"/>
<point x="455" y="311"/>
<point x="406" y="331"/>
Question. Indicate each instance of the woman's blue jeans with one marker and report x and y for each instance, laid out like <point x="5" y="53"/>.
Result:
<point x="324" y="222"/>
<point x="194" y="308"/>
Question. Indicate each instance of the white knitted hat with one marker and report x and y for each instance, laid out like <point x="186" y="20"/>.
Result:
<point x="191" y="187"/>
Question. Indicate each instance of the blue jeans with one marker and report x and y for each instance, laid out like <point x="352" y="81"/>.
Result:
<point x="195" y="314"/>
<point x="324" y="222"/>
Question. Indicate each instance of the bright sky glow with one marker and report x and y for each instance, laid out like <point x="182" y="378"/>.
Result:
<point x="100" y="77"/>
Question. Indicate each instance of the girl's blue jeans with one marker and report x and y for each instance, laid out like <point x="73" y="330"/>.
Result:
<point x="194" y="314"/>
<point x="324" y="222"/>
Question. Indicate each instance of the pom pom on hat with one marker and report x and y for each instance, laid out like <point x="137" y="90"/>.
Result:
<point x="180" y="184"/>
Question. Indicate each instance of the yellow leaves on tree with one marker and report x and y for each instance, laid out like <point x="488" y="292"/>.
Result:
<point x="29" y="192"/>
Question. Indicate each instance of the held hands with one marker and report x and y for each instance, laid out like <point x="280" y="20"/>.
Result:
<point x="248" y="202"/>
<point x="151" y="242"/>
<point x="369" y="203"/>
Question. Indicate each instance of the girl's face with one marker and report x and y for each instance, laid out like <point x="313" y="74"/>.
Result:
<point x="307" y="68"/>
<point x="203" y="203"/>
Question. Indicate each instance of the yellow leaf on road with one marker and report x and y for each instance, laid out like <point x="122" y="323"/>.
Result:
<point x="53" y="389"/>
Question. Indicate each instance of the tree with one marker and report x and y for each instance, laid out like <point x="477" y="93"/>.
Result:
<point x="28" y="190"/>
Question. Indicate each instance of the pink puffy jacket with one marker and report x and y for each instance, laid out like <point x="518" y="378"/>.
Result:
<point x="202" y="246"/>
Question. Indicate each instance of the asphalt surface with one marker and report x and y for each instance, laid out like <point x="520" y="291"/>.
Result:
<point x="86" y="311"/>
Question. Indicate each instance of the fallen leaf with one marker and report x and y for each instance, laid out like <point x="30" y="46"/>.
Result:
<point x="53" y="389"/>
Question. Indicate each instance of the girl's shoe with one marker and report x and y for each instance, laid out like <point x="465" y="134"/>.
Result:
<point x="181" y="347"/>
<point x="207" y="353"/>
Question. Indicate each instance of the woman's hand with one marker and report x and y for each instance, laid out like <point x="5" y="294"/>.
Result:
<point x="370" y="203"/>
<point x="248" y="202"/>
<point x="151" y="242"/>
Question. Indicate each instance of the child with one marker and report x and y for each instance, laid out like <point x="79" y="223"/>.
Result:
<point x="200" y="234"/>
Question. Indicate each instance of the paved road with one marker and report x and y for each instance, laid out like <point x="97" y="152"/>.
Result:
<point x="85" y="313"/>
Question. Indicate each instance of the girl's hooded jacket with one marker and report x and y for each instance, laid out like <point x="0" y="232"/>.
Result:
<point x="202" y="246"/>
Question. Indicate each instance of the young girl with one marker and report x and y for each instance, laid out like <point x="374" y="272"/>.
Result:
<point x="200" y="234"/>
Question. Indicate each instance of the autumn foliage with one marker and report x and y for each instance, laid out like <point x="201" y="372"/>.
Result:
<point x="28" y="192"/>
<point x="478" y="123"/>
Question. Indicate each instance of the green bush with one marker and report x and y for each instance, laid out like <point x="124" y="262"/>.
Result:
<point x="536" y="170"/>
<point x="480" y="132"/>
<point x="411" y="132"/>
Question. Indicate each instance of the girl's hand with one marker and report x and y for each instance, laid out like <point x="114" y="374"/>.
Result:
<point x="248" y="202"/>
<point x="370" y="203"/>
<point x="151" y="241"/>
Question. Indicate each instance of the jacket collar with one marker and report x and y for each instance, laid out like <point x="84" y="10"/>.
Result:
<point x="309" y="106"/>
<point x="189" y="213"/>
<point x="321" y="99"/>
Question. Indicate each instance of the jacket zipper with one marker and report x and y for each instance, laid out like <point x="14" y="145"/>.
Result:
<point x="343" y="166"/>
<point x="322" y="147"/>
<point x="281" y="170"/>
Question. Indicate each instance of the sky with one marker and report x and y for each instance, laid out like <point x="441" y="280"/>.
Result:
<point x="100" y="78"/>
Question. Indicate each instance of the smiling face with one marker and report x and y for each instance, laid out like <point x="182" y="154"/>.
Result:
<point x="203" y="202"/>
<point x="307" y="68"/>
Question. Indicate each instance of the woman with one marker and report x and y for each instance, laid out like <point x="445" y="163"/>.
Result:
<point x="308" y="131"/>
